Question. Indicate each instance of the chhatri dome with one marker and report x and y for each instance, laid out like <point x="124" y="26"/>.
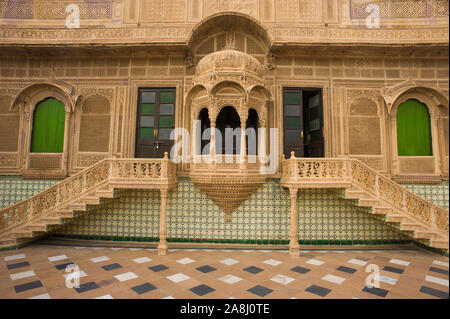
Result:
<point x="231" y="60"/>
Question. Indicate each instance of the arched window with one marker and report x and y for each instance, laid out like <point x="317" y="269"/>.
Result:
<point x="205" y="124"/>
<point x="413" y="129"/>
<point x="48" y="127"/>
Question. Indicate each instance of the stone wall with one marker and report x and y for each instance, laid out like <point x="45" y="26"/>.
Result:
<point x="356" y="120"/>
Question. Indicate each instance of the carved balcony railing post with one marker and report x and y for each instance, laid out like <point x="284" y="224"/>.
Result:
<point x="377" y="186"/>
<point x="348" y="170"/>
<point x="112" y="169"/>
<point x="164" y="165"/>
<point x="293" y="245"/>
<point x="162" y="246"/>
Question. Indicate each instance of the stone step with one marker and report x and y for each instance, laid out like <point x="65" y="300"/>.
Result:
<point x="441" y="244"/>
<point x="396" y="218"/>
<point x="79" y="207"/>
<point x="355" y="194"/>
<point x="67" y="214"/>
<point x="91" y="200"/>
<point x="367" y="202"/>
<point x="411" y="226"/>
<point x="7" y="241"/>
<point x="51" y="220"/>
<point x="425" y="234"/>
<point x="41" y="227"/>
<point x="23" y="233"/>
<point x="104" y="193"/>
<point x="381" y="210"/>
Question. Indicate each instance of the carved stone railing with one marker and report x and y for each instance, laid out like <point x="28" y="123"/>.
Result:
<point x="139" y="173"/>
<point x="233" y="166"/>
<point x="345" y="172"/>
<point x="116" y="173"/>
<point x="311" y="173"/>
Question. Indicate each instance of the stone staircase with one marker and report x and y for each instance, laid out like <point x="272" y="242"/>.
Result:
<point x="372" y="193"/>
<point x="407" y="224"/>
<point x="33" y="217"/>
<point x="42" y="225"/>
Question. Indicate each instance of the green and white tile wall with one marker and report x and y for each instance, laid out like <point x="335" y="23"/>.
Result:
<point x="262" y="219"/>
<point x="437" y="194"/>
<point x="14" y="189"/>
<point x="192" y="216"/>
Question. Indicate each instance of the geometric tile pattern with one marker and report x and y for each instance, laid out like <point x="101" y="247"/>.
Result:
<point x="263" y="217"/>
<point x="14" y="189"/>
<point x="424" y="275"/>
<point x="435" y="193"/>
<point x="322" y="215"/>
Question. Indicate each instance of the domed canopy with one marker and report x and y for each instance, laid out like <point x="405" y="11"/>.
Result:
<point x="229" y="60"/>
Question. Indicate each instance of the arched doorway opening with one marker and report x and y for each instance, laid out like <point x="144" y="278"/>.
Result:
<point x="48" y="127"/>
<point x="413" y="129"/>
<point x="229" y="125"/>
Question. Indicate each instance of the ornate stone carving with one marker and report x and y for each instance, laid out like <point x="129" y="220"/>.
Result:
<point x="245" y="6"/>
<point x="17" y="9"/>
<point x="227" y="184"/>
<point x="271" y="62"/>
<point x="8" y="160"/>
<point x="402" y="9"/>
<point x="92" y="9"/>
<point x="189" y="60"/>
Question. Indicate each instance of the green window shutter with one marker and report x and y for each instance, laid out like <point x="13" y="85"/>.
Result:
<point x="413" y="129"/>
<point x="48" y="127"/>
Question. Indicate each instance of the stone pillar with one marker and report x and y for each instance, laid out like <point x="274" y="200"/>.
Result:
<point x="243" y="145"/>
<point x="293" y="245"/>
<point x="195" y="128"/>
<point x="212" y="145"/>
<point x="162" y="247"/>
<point x="262" y="142"/>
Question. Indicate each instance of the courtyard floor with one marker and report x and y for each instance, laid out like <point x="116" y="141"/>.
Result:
<point x="38" y="271"/>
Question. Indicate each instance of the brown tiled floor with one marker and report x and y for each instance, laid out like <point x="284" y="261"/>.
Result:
<point x="31" y="272"/>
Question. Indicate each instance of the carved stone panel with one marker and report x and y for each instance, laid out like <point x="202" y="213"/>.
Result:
<point x="417" y="165"/>
<point x="364" y="136"/>
<point x="92" y="10"/>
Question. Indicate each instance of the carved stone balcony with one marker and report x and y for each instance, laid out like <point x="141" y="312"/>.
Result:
<point x="228" y="180"/>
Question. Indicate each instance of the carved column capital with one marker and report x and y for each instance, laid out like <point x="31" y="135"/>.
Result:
<point x="293" y="192"/>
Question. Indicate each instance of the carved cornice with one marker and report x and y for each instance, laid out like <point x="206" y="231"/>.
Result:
<point x="177" y="34"/>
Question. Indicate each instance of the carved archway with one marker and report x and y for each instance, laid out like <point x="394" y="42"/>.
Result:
<point x="40" y="164"/>
<point x="418" y="168"/>
<point x="226" y="21"/>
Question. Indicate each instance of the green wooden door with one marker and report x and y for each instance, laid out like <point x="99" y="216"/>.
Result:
<point x="293" y="122"/>
<point x="155" y="122"/>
